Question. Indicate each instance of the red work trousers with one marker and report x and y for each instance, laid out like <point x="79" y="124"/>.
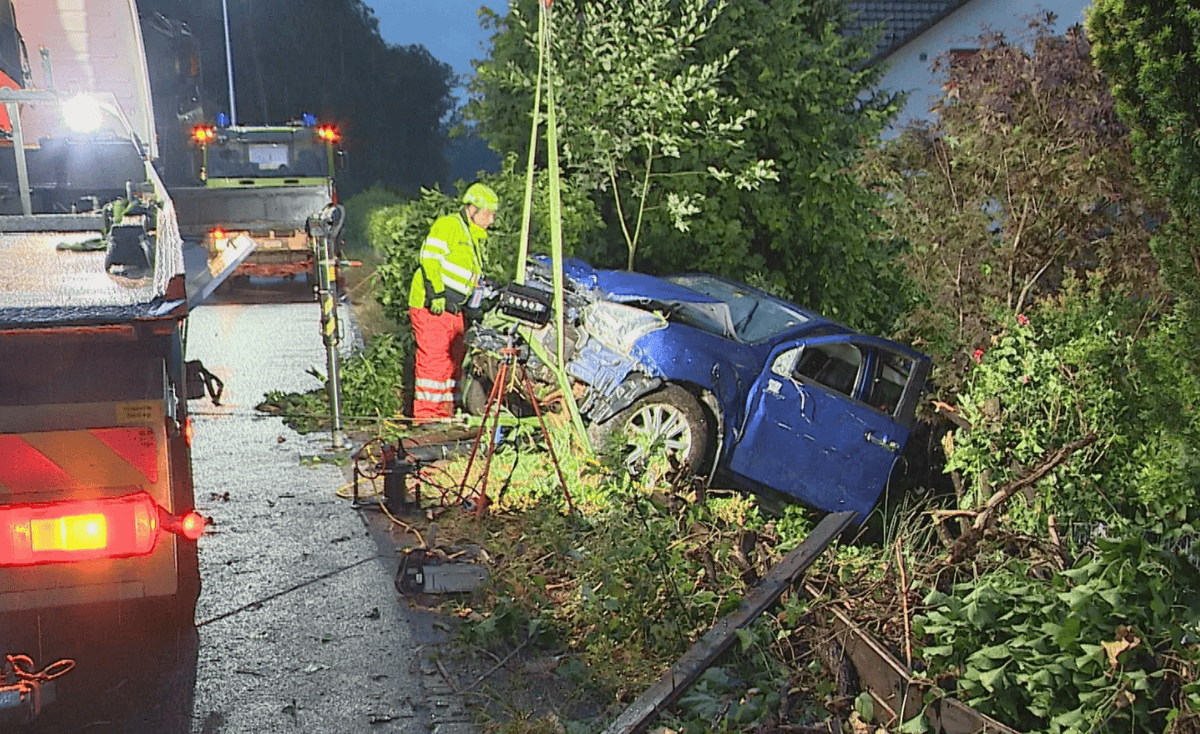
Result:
<point x="438" y="368"/>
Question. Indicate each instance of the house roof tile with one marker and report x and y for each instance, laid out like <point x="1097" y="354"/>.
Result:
<point x="902" y="19"/>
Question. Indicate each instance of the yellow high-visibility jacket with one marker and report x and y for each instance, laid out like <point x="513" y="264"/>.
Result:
<point x="450" y="261"/>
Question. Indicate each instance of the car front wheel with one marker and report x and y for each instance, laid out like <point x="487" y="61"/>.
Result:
<point x="669" y="421"/>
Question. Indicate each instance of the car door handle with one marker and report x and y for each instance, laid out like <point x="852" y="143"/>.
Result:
<point x="884" y="441"/>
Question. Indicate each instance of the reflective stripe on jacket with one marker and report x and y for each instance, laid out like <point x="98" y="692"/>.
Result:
<point x="449" y="261"/>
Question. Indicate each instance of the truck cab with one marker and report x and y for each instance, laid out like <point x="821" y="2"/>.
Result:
<point x="260" y="182"/>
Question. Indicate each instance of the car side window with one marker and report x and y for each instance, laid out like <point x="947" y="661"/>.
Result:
<point x="834" y="365"/>
<point x="889" y="377"/>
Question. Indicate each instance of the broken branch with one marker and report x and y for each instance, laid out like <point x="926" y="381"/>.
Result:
<point x="984" y="516"/>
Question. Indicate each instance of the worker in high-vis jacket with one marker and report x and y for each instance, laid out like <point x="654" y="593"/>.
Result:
<point x="446" y="280"/>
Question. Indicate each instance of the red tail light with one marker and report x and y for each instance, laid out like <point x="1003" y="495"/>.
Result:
<point x="191" y="525"/>
<point x="85" y="530"/>
<point x="78" y="530"/>
<point x="203" y="134"/>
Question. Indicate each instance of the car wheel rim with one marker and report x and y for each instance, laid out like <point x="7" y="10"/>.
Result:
<point x="659" y="425"/>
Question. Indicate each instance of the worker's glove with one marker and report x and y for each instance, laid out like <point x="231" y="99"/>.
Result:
<point x="437" y="305"/>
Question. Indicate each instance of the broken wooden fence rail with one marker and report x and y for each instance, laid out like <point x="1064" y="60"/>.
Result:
<point x="718" y="639"/>
<point x="897" y="697"/>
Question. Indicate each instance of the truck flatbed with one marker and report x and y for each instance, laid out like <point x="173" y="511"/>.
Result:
<point x="42" y="284"/>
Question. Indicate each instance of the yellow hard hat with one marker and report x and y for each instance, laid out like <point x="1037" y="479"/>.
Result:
<point x="482" y="196"/>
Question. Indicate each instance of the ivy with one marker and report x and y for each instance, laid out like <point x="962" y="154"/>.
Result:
<point x="1098" y="647"/>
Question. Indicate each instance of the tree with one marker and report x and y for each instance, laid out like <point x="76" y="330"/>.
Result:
<point x="1151" y="53"/>
<point x="807" y="235"/>
<point x="1025" y="176"/>
<point x="324" y="57"/>
<point x="631" y="94"/>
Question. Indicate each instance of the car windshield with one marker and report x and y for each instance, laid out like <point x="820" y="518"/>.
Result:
<point x="273" y="154"/>
<point x="753" y="315"/>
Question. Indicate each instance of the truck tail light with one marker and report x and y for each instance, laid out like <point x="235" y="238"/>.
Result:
<point x="189" y="525"/>
<point x="203" y="134"/>
<point x="82" y="530"/>
<point x="192" y="525"/>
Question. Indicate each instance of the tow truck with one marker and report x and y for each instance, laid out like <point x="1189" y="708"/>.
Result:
<point x="96" y="496"/>
<point x="261" y="183"/>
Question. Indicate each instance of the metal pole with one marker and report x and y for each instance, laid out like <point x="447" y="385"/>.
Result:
<point x="18" y="138"/>
<point x="324" y="228"/>
<point x="229" y="63"/>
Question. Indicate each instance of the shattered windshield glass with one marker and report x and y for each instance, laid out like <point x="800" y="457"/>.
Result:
<point x="753" y="316"/>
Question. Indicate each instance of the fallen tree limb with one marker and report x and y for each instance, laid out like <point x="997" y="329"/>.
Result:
<point x="984" y="516"/>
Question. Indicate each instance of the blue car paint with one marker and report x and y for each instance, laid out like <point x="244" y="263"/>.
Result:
<point x="808" y="441"/>
<point x="796" y="437"/>
<point x="623" y="286"/>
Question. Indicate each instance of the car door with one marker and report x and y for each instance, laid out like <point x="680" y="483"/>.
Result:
<point x="808" y="434"/>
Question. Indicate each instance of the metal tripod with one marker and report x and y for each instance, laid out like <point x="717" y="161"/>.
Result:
<point x="510" y="368"/>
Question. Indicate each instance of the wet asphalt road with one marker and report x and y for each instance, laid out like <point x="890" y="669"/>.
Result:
<point x="298" y="621"/>
<point x="298" y="626"/>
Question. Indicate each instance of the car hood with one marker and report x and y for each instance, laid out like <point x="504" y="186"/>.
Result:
<point x="623" y="286"/>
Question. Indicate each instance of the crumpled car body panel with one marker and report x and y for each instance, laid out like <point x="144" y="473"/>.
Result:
<point x="812" y="409"/>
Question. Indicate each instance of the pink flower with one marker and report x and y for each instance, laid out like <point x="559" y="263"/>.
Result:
<point x="978" y="356"/>
<point x="1022" y="319"/>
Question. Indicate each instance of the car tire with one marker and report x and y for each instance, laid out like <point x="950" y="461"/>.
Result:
<point x="475" y="392"/>
<point x="672" y="415"/>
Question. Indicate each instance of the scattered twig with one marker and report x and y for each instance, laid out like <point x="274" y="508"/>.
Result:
<point x="487" y="652"/>
<point x="904" y="602"/>
<point x="446" y="675"/>
<point x="499" y="665"/>
<point x="1056" y="540"/>
<point x="950" y="412"/>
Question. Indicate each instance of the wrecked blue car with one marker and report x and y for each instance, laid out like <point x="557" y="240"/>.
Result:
<point x="738" y="385"/>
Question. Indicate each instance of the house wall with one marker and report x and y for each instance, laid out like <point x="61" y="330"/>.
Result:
<point x="910" y="67"/>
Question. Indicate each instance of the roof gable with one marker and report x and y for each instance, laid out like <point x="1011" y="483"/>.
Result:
<point x="902" y="19"/>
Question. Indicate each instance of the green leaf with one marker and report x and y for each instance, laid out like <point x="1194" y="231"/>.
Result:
<point x="1067" y="633"/>
<point x="937" y="651"/>
<point x="1091" y="654"/>
<point x="995" y="652"/>
<point x="745" y="638"/>
<point x="988" y="679"/>
<point x="865" y="706"/>
<point x="916" y="725"/>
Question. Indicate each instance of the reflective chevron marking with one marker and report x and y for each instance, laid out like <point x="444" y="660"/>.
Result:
<point x="57" y="460"/>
